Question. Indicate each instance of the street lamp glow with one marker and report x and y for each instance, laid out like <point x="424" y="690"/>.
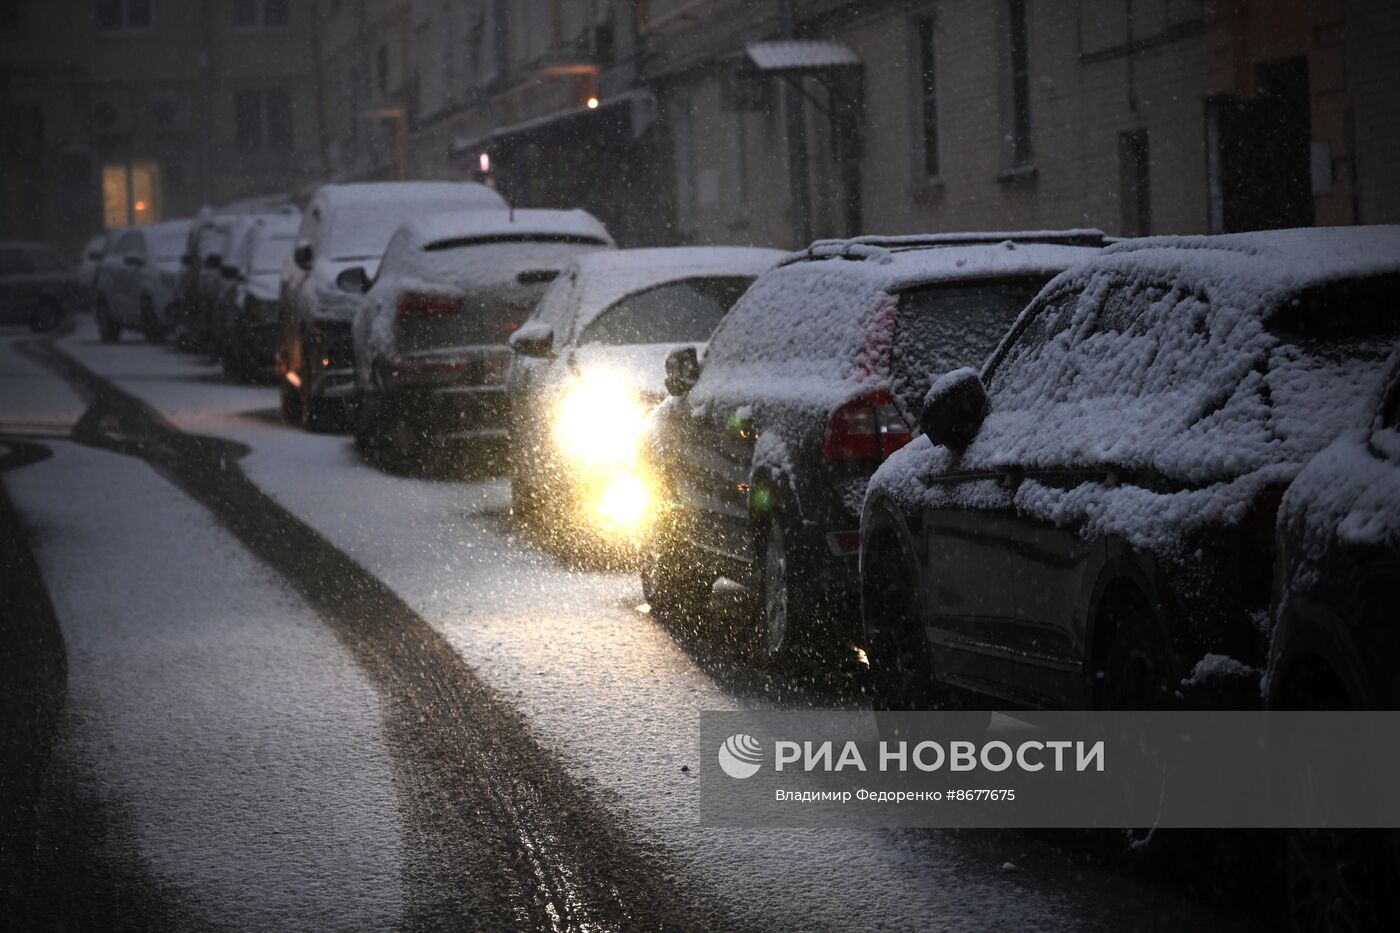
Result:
<point x="592" y="103"/>
<point x="484" y="160"/>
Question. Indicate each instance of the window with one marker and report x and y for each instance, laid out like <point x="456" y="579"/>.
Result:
<point x="677" y="312"/>
<point x="381" y="68"/>
<point x="1016" y="101"/>
<point x="260" y="14"/>
<point x="262" y="119"/>
<point x="123" y="15"/>
<point x="1134" y="183"/>
<point x="9" y="15"/>
<point x="927" y="90"/>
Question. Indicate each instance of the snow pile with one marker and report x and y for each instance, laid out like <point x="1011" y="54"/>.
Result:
<point x="1158" y="359"/>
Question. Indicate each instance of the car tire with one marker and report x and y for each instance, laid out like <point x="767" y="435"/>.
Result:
<point x="291" y="403"/>
<point x="151" y="326"/>
<point x="786" y="629"/>
<point x="674" y="583"/>
<point x="107" y="329"/>
<point x="1135" y="667"/>
<point x="45" y="316"/>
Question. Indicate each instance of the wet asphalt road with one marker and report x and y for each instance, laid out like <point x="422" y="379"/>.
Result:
<point x="497" y="834"/>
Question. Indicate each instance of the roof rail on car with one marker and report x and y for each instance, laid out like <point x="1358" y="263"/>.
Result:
<point x="880" y="247"/>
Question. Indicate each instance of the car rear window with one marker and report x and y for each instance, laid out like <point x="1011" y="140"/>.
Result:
<point x="1347" y="309"/>
<point x="687" y="311"/>
<point x="939" y="328"/>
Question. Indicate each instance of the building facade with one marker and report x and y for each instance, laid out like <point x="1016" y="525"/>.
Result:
<point x="120" y="112"/>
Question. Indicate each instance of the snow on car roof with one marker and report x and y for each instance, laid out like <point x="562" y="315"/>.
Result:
<point x="1254" y="268"/>
<point x="458" y="194"/>
<point x="607" y="276"/>
<point x="473" y="225"/>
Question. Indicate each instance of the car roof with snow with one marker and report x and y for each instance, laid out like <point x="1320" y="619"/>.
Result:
<point x="445" y="231"/>
<point x="454" y="194"/>
<point x="899" y="262"/>
<point x="608" y="276"/>
<point x="1253" y="270"/>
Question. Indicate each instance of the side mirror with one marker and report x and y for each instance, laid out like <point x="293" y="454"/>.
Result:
<point x="954" y="409"/>
<point x="352" y="280"/>
<point x="229" y="272"/>
<point x="134" y="261"/>
<point x="213" y="261"/>
<point x="682" y="370"/>
<point x="302" y="255"/>
<point x="534" y="339"/>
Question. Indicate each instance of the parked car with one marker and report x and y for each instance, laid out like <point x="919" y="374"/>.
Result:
<point x="813" y="379"/>
<point x="89" y="262"/>
<point x="589" y="365"/>
<point x="138" y="285"/>
<point x="345" y="226"/>
<point x="213" y="235"/>
<point x="248" y="307"/>
<point x="37" y="286"/>
<point x="430" y="339"/>
<point x="1089" y="521"/>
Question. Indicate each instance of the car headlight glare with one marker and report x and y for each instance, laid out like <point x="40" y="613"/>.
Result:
<point x="599" y="421"/>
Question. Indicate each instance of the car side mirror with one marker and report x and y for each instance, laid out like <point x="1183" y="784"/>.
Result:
<point x="682" y="370"/>
<point x="954" y="409"/>
<point x="353" y="280"/>
<point x="534" y="339"/>
<point x="229" y="272"/>
<point x="213" y="261"/>
<point x="303" y="255"/>
<point x="134" y="261"/>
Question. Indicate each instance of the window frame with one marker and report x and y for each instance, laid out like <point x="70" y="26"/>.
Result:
<point x="1017" y="118"/>
<point x="925" y="99"/>
<point x="125" y="28"/>
<point x="260" y="22"/>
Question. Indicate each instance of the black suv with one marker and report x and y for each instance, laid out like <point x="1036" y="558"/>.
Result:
<point x="1089" y="522"/>
<point x="762" y="455"/>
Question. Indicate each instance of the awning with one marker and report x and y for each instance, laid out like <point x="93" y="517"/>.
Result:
<point x="793" y="55"/>
<point x="637" y="107"/>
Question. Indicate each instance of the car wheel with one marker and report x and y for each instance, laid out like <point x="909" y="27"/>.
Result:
<point x="901" y="675"/>
<point x="151" y="326"/>
<point x="107" y="329"/>
<point x="1134" y="672"/>
<point x="1339" y="880"/>
<point x="785" y="628"/>
<point x="291" y="403"/>
<point x="674" y="583"/>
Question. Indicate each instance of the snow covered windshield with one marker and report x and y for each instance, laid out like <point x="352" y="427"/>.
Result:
<point x="940" y="328"/>
<point x="687" y="311"/>
<point x="270" y="252"/>
<point x="169" y="244"/>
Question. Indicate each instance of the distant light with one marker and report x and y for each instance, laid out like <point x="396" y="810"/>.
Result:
<point x="484" y="160"/>
<point x="592" y="103"/>
<point x="141" y="205"/>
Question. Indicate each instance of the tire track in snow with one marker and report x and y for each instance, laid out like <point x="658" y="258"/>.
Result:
<point x="496" y="833"/>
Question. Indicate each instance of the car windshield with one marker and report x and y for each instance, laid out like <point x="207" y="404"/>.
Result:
<point x="686" y="311"/>
<point x="943" y="327"/>
<point x="270" y="252"/>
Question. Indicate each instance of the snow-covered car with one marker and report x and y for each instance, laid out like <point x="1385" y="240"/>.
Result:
<point x="1089" y="521"/>
<point x="37" y="286"/>
<point x="590" y="365"/>
<point x="139" y="282"/>
<point x="814" y="378"/>
<point x="345" y="226"/>
<point x="430" y="339"/>
<point x="89" y="262"/>
<point x="248" y="308"/>
<point x="1334" y="641"/>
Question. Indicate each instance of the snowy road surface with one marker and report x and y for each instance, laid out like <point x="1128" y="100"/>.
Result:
<point x="279" y="688"/>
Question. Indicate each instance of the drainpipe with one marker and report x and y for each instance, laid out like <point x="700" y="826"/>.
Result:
<point x="796" y="126"/>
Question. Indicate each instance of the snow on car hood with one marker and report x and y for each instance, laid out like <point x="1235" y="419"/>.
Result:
<point x="642" y="364"/>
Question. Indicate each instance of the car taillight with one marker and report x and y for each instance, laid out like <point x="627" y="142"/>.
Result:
<point x="867" y="428"/>
<point x="427" y="304"/>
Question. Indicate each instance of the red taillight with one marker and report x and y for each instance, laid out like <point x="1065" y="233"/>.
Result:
<point x="867" y="428"/>
<point x="427" y="304"/>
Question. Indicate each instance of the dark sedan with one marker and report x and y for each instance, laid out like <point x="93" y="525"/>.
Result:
<point x="1088" y="522"/>
<point x="37" y="286"/>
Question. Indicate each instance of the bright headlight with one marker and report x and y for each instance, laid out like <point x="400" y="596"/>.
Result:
<point x="624" y="506"/>
<point x="599" y="421"/>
